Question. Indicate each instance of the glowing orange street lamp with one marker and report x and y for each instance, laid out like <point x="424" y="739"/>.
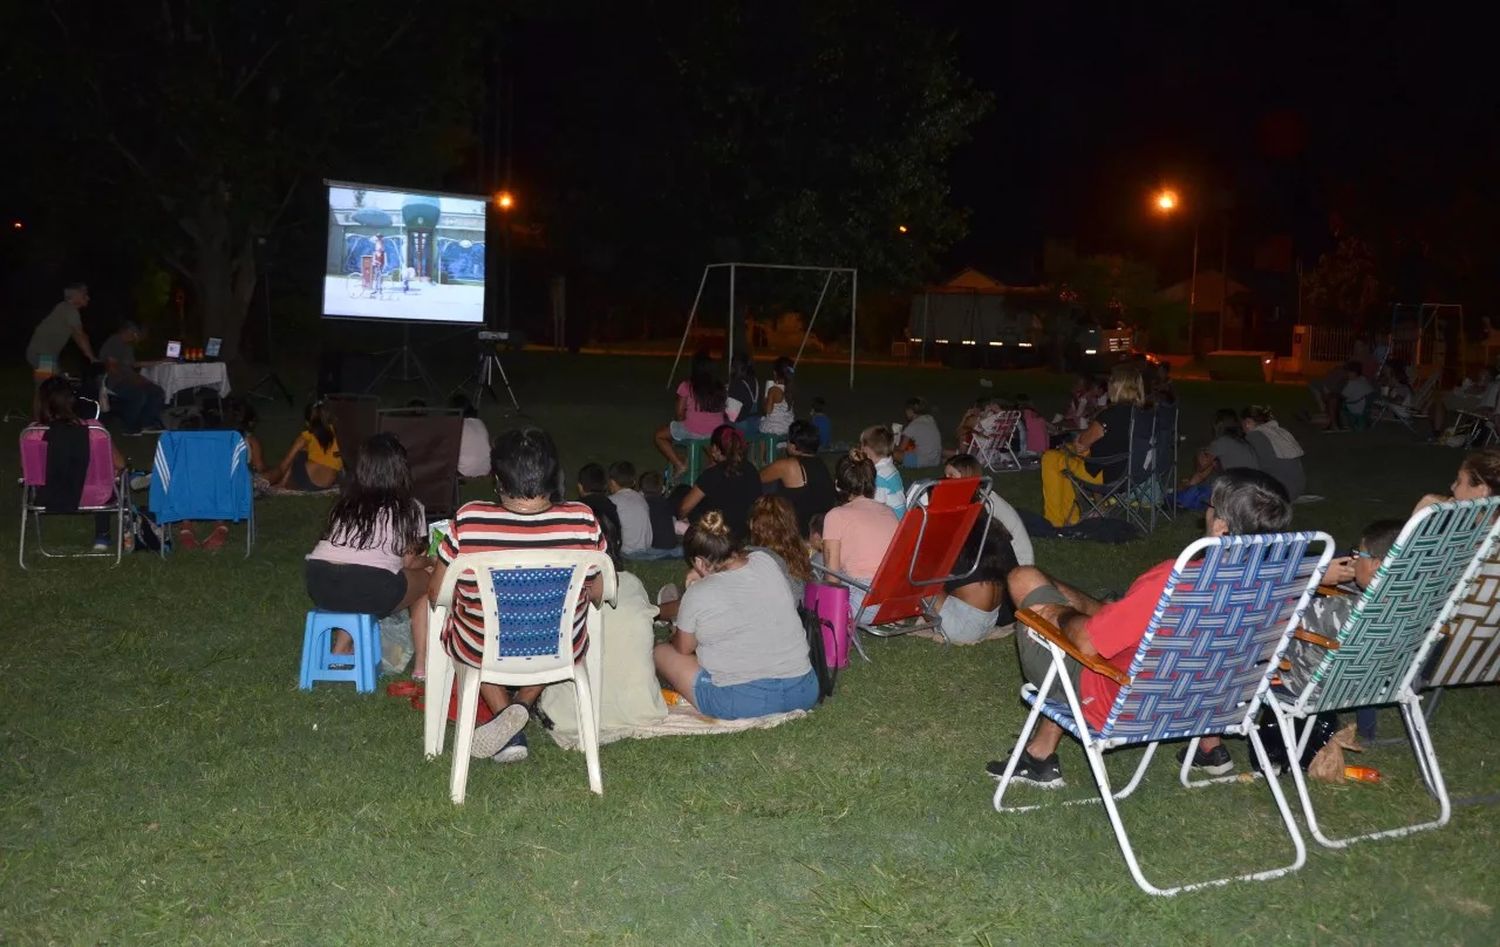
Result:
<point x="901" y="228"/>
<point x="1166" y="201"/>
<point x="505" y="200"/>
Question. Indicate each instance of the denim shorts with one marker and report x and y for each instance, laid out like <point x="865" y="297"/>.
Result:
<point x="770" y="695"/>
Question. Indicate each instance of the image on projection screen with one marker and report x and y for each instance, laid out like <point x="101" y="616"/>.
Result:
<point x="407" y="256"/>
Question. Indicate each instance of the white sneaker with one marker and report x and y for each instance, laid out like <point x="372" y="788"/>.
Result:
<point x="491" y="737"/>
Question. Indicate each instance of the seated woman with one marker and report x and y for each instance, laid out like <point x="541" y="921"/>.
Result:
<point x="960" y="466"/>
<point x="773" y="528"/>
<point x="800" y="476"/>
<point x="524" y="515"/>
<point x="1107" y="436"/>
<point x="314" y="462"/>
<point x="738" y="648"/>
<point x="629" y="695"/>
<point x="371" y="558"/>
<point x="69" y="441"/>
<point x="729" y="484"/>
<point x="1276" y="450"/>
<point x="857" y="533"/>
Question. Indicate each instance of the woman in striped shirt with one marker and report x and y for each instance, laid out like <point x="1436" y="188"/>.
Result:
<point x="526" y="471"/>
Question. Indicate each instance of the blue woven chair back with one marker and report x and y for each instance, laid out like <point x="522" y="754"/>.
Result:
<point x="531" y="604"/>
<point x="1219" y="623"/>
<point x="1415" y="589"/>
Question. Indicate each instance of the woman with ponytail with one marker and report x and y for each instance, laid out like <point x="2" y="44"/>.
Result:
<point x="728" y="485"/>
<point x="738" y="648"/>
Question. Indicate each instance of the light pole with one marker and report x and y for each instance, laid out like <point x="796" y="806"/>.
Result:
<point x="1166" y="202"/>
<point x="506" y="201"/>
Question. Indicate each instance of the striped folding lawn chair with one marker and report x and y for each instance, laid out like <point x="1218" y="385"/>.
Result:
<point x="992" y="442"/>
<point x="1202" y="669"/>
<point x="1378" y="655"/>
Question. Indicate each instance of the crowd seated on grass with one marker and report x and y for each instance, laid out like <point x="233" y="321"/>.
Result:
<point x="727" y="486"/>
<point x="738" y="647"/>
<point x="1227" y="450"/>
<point x="1107" y="435"/>
<point x="857" y="532"/>
<point x="801" y="477"/>
<point x="1478" y="395"/>
<point x="1242" y="502"/>
<point x="372" y="556"/>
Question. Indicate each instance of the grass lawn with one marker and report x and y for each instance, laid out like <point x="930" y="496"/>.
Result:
<point x="162" y="780"/>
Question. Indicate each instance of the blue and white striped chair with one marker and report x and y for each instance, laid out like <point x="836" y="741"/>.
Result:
<point x="1202" y="669"/>
<point x="1378" y="655"/>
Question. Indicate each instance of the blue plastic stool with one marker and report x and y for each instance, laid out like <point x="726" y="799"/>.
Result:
<point x="317" y="650"/>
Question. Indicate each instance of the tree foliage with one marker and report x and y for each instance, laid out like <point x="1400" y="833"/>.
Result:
<point x="202" y="120"/>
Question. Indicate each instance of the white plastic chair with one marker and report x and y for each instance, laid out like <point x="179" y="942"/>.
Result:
<point x="548" y="583"/>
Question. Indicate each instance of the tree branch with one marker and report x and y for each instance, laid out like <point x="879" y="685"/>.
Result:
<point x="248" y="77"/>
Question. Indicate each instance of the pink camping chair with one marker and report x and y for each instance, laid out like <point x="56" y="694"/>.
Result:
<point x="992" y="442"/>
<point x="103" y="492"/>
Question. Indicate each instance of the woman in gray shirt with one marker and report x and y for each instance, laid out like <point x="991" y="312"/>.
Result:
<point x="738" y="648"/>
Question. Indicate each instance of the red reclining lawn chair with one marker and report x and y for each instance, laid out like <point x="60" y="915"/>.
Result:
<point x="921" y="558"/>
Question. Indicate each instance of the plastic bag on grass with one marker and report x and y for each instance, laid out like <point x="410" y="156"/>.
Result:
<point x="396" y="648"/>
<point x="1328" y="765"/>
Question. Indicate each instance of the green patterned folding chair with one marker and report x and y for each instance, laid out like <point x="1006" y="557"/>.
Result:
<point x="1202" y="669"/>
<point x="1470" y="646"/>
<point x="1378" y="655"/>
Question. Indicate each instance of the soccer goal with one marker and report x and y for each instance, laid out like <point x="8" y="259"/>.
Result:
<point x="830" y="274"/>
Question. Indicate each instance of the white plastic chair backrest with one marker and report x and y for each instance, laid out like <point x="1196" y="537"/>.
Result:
<point x="556" y="578"/>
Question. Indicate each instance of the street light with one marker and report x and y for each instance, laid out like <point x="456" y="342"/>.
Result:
<point x="506" y="201"/>
<point x="1167" y="202"/>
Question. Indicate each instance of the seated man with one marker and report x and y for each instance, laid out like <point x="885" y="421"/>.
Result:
<point x="136" y="398"/>
<point x="1243" y="502"/>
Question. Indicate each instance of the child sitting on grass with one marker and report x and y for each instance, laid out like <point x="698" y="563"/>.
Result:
<point x="875" y="445"/>
<point x="666" y="529"/>
<point x="592" y="481"/>
<point x="637" y="536"/>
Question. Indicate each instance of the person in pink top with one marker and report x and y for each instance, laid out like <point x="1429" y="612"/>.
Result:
<point x="857" y="533"/>
<point x="700" y="409"/>
<point x="371" y="558"/>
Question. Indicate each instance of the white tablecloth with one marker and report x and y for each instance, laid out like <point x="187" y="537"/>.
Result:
<point x="179" y="376"/>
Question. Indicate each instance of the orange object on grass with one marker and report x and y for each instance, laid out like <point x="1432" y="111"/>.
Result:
<point x="1364" y="774"/>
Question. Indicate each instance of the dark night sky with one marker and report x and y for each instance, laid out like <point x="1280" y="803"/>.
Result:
<point x="1095" y="104"/>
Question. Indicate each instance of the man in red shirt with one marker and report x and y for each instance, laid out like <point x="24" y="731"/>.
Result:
<point x="1243" y="502"/>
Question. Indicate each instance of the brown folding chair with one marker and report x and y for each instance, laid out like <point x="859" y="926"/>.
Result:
<point x="355" y="418"/>
<point x="431" y="437"/>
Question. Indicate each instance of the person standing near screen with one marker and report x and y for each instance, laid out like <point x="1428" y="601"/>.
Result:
<point x="377" y="263"/>
<point x="52" y="334"/>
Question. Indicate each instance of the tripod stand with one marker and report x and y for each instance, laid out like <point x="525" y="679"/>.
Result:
<point x="483" y="378"/>
<point x="411" y="367"/>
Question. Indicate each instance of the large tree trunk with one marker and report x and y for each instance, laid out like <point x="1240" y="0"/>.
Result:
<point x="223" y="275"/>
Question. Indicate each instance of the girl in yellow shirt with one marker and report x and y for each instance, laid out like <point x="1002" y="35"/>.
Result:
<point x="313" y="463"/>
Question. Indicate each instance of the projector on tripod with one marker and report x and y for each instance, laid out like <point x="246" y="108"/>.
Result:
<point x="489" y="367"/>
<point x="487" y="336"/>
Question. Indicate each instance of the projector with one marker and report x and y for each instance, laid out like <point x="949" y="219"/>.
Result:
<point x="494" y="336"/>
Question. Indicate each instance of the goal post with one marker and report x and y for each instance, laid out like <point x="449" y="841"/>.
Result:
<point x="830" y="272"/>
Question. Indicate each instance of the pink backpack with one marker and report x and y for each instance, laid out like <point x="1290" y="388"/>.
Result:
<point x="831" y="604"/>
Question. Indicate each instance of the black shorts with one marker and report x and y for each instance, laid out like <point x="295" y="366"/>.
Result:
<point x="360" y="590"/>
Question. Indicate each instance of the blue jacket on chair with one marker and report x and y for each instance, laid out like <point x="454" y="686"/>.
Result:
<point x="201" y="475"/>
